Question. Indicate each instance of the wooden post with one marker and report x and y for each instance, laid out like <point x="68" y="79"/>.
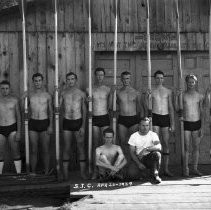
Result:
<point x="56" y="93"/>
<point x="180" y="86"/>
<point x="25" y="84"/>
<point x="149" y="68"/>
<point x="90" y="89"/>
<point x="209" y="94"/>
<point x="115" y="70"/>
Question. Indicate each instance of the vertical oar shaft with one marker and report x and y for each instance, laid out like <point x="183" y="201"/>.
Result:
<point x="209" y="94"/>
<point x="56" y="92"/>
<point x="90" y="91"/>
<point x="180" y="86"/>
<point x="149" y="66"/>
<point x="25" y="73"/>
<point x="115" y="71"/>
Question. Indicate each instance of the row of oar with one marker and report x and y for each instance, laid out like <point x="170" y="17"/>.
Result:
<point x="22" y="6"/>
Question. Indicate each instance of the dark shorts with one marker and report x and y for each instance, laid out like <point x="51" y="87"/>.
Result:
<point x="192" y="126"/>
<point x="160" y="120"/>
<point x="101" y="120"/>
<point x="39" y="125"/>
<point x="6" y="130"/>
<point x="72" y="125"/>
<point x="128" y="121"/>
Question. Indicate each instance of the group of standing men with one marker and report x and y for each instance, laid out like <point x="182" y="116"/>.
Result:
<point x="132" y="107"/>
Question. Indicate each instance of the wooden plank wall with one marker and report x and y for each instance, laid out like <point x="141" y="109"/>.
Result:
<point x="72" y="16"/>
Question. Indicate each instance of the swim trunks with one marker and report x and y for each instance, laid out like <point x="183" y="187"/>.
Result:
<point x="192" y="126"/>
<point x="38" y="125"/>
<point x="101" y="120"/>
<point x="6" y="130"/>
<point x="128" y="121"/>
<point x="72" y="125"/>
<point x="160" y="120"/>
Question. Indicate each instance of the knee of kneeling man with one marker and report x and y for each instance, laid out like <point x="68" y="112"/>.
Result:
<point x="157" y="154"/>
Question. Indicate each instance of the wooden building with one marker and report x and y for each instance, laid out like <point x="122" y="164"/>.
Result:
<point x="73" y="44"/>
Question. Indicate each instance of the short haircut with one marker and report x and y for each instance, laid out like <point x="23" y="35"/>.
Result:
<point x="191" y="76"/>
<point x="125" y="73"/>
<point x="37" y="75"/>
<point x="99" y="69"/>
<point x="5" y="82"/>
<point x="108" y="130"/>
<point x="71" y="74"/>
<point x="158" y="72"/>
<point x="145" y="119"/>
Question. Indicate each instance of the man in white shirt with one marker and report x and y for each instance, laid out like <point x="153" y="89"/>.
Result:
<point x="145" y="149"/>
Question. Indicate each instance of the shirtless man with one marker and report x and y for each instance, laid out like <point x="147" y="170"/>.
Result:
<point x="193" y="121"/>
<point x="208" y="107"/>
<point x="110" y="158"/>
<point x="163" y="116"/>
<point x="10" y="125"/>
<point x="130" y="110"/>
<point x="40" y="122"/>
<point x="72" y="102"/>
<point x="101" y="99"/>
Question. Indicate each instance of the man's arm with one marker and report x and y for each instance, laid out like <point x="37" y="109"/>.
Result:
<point x="50" y="114"/>
<point x="121" y="160"/>
<point x="135" y="158"/>
<point x="155" y="147"/>
<point x="18" y="120"/>
<point x="202" y="114"/>
<point x="83" y="110"/>
<point x="171" y="111"/>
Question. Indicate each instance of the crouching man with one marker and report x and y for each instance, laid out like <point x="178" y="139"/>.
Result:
<point x="145" y="149"/>
<point x="110" y="158"/>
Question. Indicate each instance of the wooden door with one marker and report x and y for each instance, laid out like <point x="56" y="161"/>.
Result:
<point x="125" y="62"/>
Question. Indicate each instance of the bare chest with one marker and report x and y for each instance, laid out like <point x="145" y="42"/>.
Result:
<point x="100" y="93"/>
<point x="7" y="105"/>
<point x="72" y="98"/>
<point x="38" y="100"/>
<point x="191" y="100"/>
<point x="160" y="95"/>
<point x="127" y="96"/>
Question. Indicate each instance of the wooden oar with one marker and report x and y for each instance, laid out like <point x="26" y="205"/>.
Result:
<point x="90" y="89"/>
<point x="149" y="68"/>
<point x="56" y="94"/>
<point x="209" y="94"/>
<point x="115" y="68"/>
<point x="22" y="7"/>
<point x="180" y="86"/>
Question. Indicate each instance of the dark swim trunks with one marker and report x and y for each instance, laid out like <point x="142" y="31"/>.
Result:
<point x="192" y="126"/>
<point x="6" y="130"/>
<point x="128" y="121"/>
<point x="160" y="120"/>
<point x="101" y="120"/>
<point x="72" y="125"/>
<point x="38" y="125"/>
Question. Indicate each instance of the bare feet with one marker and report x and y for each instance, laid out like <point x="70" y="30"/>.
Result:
<point x="197" y="172"/>
<point x="168" y="173"/>
<point x="186" y="173"/>
<point x="94" y="176"/>
<point x="84" y="176"/>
